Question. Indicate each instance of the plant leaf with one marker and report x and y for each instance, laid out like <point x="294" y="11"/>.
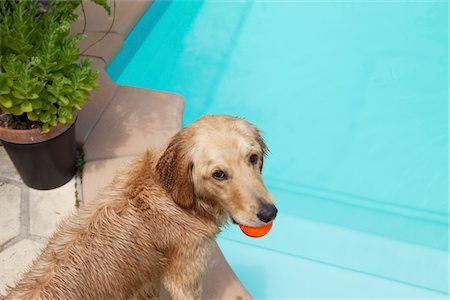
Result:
<point x="63" y="100"/>
<point x="18" y="95"/>
<point x="45" y="128"/>
<point x="6" y="102"/>
<point x="103" y="4"/>
<point x="4" y="89"/>
<point x="32" y="116"/>
<point x="44" y="117"/>
<point x="26" y="106"/>
<point x="37" y="103"/>
<point x="16" y="110"/>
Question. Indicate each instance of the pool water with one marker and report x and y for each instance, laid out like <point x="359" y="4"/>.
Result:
<point x="351" y="97"/>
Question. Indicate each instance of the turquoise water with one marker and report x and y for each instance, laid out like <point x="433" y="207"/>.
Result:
<point x="352" y="98"/>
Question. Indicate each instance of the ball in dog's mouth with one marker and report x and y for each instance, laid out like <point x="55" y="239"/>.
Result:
<point x="254" y="232"/>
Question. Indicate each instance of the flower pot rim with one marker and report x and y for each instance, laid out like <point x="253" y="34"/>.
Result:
<point x="33" y="136"/>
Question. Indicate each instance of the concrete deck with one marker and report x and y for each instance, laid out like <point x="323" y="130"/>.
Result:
<point x="116" y="125"/>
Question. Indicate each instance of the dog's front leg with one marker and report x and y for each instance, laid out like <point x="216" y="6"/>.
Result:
<point x="183" y="276"/>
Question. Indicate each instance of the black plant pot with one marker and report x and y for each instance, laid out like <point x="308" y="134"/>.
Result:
<point x="46" y="164"/>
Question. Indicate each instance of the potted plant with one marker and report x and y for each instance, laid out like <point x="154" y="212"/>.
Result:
<point x="42" y="83"/>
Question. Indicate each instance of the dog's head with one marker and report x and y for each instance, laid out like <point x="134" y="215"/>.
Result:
<point x="219" y="159"/>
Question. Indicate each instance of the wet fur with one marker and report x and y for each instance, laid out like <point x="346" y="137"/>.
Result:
<point x="152" y="227"/>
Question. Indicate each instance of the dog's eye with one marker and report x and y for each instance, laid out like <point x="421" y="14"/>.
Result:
<point x="219" y="175"/>
<point x="254" y="159"/>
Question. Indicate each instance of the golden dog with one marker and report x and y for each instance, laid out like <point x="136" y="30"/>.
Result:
<point x="154" y="225"/>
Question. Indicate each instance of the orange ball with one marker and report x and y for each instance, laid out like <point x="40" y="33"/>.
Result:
<point x="256" y="232"/>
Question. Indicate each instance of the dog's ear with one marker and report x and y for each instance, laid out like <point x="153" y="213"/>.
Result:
<point x="174" y="169"/>
<point x="263" y="146"/>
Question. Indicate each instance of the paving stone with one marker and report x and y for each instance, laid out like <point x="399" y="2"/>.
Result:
<point x="93" y="109"/>
<point x="9" y="212"/>
<point x="128" y="13"/>
<point x="99" y="173"/>
<point x="219" y="281"/>
<point x="49" y="207"/>
<point x="135" y="120"/>
<point x="7" y="168"/>
<point x="98" y="45"/>
<point x="15" y="260"/>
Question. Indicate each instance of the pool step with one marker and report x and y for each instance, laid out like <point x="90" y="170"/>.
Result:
<point x="264" y="271"/>
<point x="411" y="269"/>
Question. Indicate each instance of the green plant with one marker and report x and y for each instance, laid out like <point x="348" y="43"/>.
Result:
<point x="41" y="78"/>
<point x="79" y="164"/>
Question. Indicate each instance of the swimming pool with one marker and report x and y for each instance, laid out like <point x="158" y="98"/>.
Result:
<point x="352" y="100"/>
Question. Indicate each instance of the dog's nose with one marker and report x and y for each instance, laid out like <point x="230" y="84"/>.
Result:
<point x="267" y="213"/>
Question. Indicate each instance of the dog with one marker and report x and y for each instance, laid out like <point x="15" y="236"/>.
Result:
<point x="154" y="225"/>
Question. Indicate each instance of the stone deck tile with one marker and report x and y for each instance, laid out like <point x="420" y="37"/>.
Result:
<point x="7" y="169"/>
<point x="104" y="48"/>
<point x="47" y="208"/>
<point x="219" y="280"/>
<point x="136" y="119"/>
<point x="92" y="111"/>
<point x="15" y="260"/>
<point x="128" y="12"/>
<point x="9" y="211"/>
<point x="98" y="173"/>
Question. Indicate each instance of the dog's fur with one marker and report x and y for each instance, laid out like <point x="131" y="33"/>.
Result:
<point x="154" y="225"/>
